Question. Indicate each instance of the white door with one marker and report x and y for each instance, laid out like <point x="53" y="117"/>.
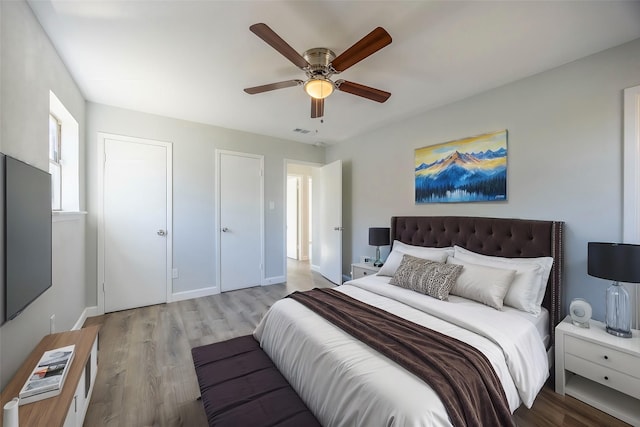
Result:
<point x="136" y="206"/>
<point x="240" y="224"/>
<point x="330" y="221"/>
<point x="293" y="185"/>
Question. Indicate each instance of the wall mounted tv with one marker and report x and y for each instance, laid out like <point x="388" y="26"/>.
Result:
<point x="25" y="235"/>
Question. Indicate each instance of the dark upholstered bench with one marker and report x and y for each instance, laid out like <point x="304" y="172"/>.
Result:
<point x="240" y="386"/>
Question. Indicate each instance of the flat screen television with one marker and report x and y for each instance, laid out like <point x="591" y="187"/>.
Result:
<point x="25" y="235"/>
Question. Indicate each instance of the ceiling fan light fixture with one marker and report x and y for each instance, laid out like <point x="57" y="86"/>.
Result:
<point x="318" y="88"/>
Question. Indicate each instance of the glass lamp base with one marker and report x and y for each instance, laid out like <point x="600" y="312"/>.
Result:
<point x="378" y="262"/>
<point x="618" y="311"/>
<point x="621" y="334"/>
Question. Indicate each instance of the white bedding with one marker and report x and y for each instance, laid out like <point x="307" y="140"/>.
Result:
<point x="540" y="322"/>
<point x="346" y="383"/>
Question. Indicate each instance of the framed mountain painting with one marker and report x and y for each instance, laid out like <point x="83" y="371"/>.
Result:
<point x="472" y="169"/>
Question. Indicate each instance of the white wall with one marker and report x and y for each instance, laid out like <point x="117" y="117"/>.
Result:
<point x="29" y="69"/>
<point x="194" y="148"/>
<point x="564" y="159"/>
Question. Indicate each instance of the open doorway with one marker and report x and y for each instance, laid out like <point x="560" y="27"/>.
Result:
<point x="313" y="236"/>
<point x="299" y="220"/>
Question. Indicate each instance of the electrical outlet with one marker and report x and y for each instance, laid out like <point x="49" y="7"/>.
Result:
<point x="52" y="324"/>
<point x="174" y="273"/>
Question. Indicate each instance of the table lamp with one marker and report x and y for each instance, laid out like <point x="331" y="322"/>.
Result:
<point x="621" y="263"/>
<point x="379" y="236"/>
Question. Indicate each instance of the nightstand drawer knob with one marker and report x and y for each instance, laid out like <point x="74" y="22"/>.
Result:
<point x="606" y="357"/>
<point x="365" y="273"/>
<point x="606" y="378"/>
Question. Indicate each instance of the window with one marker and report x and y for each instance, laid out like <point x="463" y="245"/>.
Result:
<point x="64" y="143"/>
<point x="55" y="169"/>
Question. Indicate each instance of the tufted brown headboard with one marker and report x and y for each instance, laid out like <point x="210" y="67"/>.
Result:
<point x="513" y="238"/>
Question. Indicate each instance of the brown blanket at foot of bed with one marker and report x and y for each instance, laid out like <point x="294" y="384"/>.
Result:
<point x="240" y="386"/>
<point x="461" y="375"/>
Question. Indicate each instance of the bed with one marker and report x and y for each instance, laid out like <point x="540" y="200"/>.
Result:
<point x="344" y="382"/>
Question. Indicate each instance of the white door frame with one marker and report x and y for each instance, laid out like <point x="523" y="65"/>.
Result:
<point x="100" y="213"/>
<point x="287" y="162"/>
<point x="218" y="226"/>
<point x="299" y="185"/>
<point x="631" y="180"/>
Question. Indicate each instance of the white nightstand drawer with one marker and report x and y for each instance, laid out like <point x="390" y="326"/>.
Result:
<point x="361" y="272"/>
<point x="363" y="269"/>
<point x="602" y="355"/>
<point x="603" y="375"/>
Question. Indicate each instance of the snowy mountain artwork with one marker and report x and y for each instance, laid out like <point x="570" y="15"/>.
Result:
<point x="472" y="169"/>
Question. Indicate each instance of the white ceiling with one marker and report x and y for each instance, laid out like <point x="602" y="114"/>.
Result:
<point x="191" y="59"/>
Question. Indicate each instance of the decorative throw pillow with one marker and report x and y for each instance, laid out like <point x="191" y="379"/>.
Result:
<point x="399" y="249"/>
<point x="487" y="285"/>
<point x="427" y="277"/>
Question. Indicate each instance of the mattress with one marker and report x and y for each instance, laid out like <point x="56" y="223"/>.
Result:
<point x="346" y="383"/>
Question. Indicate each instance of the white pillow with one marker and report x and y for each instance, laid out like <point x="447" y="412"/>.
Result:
<point x="527" y="290"/>
<point x="397" y="244"/>
<point x="399" y="249"/>
<point x="545" y="262"/>
<point x="487" y="285"/>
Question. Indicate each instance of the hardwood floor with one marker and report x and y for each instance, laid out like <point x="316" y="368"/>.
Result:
<point x="146" y="376"/>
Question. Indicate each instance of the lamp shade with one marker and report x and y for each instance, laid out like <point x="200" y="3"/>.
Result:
<point x="619" y="262"/>
<point x="379" y="236"/>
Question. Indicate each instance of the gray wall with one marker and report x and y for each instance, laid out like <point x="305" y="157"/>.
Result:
<point x="194" y="148"/>
<point x="564" y="159"/>
<point x="29" y="68"/>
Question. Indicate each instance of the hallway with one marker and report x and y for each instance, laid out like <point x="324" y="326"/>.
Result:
<point x="301" y="278"/>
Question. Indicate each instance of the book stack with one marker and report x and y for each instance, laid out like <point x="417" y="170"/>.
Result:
<point x="48" y="377"/>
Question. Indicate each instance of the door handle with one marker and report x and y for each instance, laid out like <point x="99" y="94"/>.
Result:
<point x="338" y="228"/>
<point x="161" y="233"/>
<point x="224" y="229"/>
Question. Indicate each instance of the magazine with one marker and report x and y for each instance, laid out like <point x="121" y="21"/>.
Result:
<point x="48" y="377"/>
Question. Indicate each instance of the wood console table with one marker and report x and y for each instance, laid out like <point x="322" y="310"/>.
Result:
<point x="69" y="407"/>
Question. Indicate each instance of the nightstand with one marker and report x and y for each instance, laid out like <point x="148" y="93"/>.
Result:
<point x="599" y="369"/>
<point x="362" y="269"/>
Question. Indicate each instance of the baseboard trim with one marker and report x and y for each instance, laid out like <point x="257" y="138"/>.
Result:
<point x="80" y="321"/>
<point x="273" y="280"/>
<point x="94" y="311"/>
<point x="87" y="312"/>
<point x="197" y="293"/>
<point x="315" y="268"/>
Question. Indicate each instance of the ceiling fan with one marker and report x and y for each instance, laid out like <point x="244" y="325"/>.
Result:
<point x="320" y="63"/>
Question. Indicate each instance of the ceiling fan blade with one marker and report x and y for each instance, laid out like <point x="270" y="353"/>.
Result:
<point x="272" y="86"/>
<point x="363" y="91"/>
<point x="275" y="41"/>
<point x="317" y="108"/>
<point x="368" y="45"/>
